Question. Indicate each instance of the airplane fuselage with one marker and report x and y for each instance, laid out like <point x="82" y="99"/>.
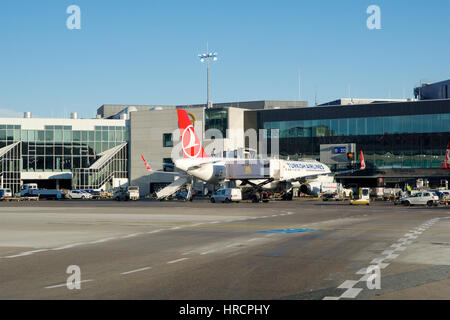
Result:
<point x="285" y="173"/>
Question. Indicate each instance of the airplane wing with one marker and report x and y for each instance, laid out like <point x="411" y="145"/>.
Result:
<point x="198" y="166"/>
<point x="162" y="172"/>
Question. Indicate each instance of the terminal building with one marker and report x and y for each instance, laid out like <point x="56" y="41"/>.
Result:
<point x="63" y="153"/>
<point x="402" y="140"/>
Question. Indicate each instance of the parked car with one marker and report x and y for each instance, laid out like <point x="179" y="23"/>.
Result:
<point x="421" y="198"/>
<point x="79" y="194"/>
<point x="227" y="195"/>
<point x="182" y="195"/>
<point x="95" y="194"/>
<point x="120" y="194"/>
<point x="442" y="194"/>
<point x="5" y="193"/>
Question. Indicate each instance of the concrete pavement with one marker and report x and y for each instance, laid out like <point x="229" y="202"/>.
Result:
<point x="178" y="250"/>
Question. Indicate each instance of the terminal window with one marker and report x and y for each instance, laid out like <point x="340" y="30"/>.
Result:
<point x="217" y="118"/>
<point x="167" y="140"/>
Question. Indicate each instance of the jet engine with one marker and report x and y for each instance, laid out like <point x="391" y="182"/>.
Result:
<point x="311" y="189"/>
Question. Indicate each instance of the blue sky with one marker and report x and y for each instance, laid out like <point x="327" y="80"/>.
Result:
<point x="145" y="52"/>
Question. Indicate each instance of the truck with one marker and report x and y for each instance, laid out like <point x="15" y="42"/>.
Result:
<point x="335" y="191"/>
<point x="363" y="197"/>
<point x="133" y="192"/>
<point x="377" y="193"/>
<point x="390" y="194"/>
<point x="32" y="190"/>
<point x="125" y="194"/>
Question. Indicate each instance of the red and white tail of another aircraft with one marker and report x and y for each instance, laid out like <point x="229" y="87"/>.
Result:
<point x="192" y="147"/>
<point x="446" y="163"/>
<point x="363" y="162"/>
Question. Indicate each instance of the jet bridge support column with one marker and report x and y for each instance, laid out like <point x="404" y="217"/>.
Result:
<point x="189" y="189"/>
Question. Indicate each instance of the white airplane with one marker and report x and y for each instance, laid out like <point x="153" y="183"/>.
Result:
<point x="281" y="175"/>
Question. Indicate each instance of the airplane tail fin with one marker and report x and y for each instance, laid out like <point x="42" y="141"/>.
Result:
<point x="363" y="163"/>
<point x="191" y="144"/>
<point x="446" y="163"/>
<point x="146" y="164"/>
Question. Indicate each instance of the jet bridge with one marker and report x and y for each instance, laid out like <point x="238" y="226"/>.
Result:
<point x="248" y="169"/>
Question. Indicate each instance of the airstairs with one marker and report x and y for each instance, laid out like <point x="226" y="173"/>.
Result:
<point x="172" y="188"/>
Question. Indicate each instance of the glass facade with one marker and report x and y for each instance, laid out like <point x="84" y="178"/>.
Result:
<point x="167" y="140"/>
<point x="116" y="166"/>
<point x="59" y="148"/>
<point x="388" y="142"/>
<point x="423" y="123"/>
<point x="10" y="168"/>
<point x="217" y="118"/>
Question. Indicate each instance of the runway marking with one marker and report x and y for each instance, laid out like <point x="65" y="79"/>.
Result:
<point x="65" y="284"/>
<point x="27" y="253"/>
<point x="137" y="270"/>
<point x="178" y="260"/>
<point x="389" y="254"/>
<point x="207" y="252"/>
<point x="69" y="246"/>
<point x="131" y="235"/>
<point x="155" y="231"/>
<point x="102" y="240"/>
<point x="195" y="225"/>
<point x="351" y="293"/>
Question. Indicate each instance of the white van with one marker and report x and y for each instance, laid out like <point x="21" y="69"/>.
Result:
<point x="227" y="195"/>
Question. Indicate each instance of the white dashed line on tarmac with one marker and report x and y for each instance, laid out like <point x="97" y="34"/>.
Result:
<point x="131" y="235"/>
<point x="178" y="260"/>
<point x="65" y="284"/>
<point x="137" y="270"/>
<point x="26" y="253"/>
<point x="69" y="246"/>
<point x="128" y="236"/>
<point x="208" y="252"/>
<point x="102" y="240"/>
<point x="351" y="292"/>
<point x="155" y="231"/>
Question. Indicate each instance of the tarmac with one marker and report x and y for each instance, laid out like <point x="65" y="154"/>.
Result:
<point x="296" y="250"/>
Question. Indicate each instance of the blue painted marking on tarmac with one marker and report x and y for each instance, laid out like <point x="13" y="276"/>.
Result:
<point x="289" y="230"/>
